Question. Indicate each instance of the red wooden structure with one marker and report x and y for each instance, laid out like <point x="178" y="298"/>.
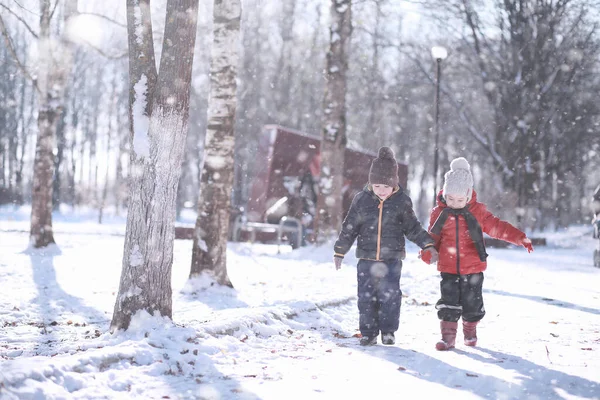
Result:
<point x="285" y="184"/>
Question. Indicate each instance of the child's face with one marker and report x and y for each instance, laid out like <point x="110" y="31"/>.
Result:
<point x="382" y="191"/>
<point x="456" y="202"/>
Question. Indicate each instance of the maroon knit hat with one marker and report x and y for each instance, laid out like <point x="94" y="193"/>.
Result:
<point x="384" y="169"/>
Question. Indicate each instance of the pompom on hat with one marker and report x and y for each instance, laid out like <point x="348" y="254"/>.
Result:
<point x="384" y="169"/>
<point x="459" y="180"/>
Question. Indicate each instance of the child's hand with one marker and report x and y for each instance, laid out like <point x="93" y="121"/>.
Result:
<point x="429" y="255"/>
<point x="527" y="244"/>
<point x="338" y="262"/>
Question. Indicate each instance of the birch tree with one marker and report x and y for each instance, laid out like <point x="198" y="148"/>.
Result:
<point x="212" y="226"/>
<point x="52" y="75"/>
<point x="54" y="70"/>
<point x="158" y="108"/>
<point x="333" y="141"/>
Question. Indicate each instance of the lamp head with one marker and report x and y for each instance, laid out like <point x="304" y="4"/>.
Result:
<point x="439" y="52"/>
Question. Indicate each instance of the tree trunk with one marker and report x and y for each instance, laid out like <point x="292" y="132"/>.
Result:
<point x="55" y="66"/>
<point x="333" y="143"/>
<point x="115" y="109"/>
<point x="120" y="180"/>
<point x="24" y="140"/>
<point x="159" y="113"/>
<point x="284" y="76"/>
<point x="212" y="226"/>
<point x="376" y="86"/>
<point x="58" y="160"/>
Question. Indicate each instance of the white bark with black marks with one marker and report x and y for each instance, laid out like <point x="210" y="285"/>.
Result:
<point x="54" y="69"/>
<point x="212" y="226"/>
<point x="333" y="143"/>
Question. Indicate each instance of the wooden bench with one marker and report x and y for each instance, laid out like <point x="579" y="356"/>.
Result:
<point x="241" y="225"/>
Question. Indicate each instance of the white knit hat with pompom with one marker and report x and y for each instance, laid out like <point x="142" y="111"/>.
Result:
<point x="459" y="180"/>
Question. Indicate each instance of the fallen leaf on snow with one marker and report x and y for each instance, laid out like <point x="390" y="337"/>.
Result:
<point x="339" y="335"/>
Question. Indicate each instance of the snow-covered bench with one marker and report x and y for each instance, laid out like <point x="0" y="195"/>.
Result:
<point x="285" y="225"/>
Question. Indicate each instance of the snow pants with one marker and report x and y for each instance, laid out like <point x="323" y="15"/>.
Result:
<point x="461" y="296"/>
<point x="379" y="296"/>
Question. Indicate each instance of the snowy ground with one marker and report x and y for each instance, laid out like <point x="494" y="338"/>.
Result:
<point x="287" y="329"/>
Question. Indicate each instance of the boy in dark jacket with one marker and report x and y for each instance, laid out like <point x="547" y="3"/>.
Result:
<point x="457" y="224"/>
<point x="596" y="223"/>
<point x="379" y="217"/>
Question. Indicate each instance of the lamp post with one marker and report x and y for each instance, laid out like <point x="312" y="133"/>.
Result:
<point x="439" y="53"/>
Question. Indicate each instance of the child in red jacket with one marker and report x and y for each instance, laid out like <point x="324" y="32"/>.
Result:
<point x="457" y="224"/>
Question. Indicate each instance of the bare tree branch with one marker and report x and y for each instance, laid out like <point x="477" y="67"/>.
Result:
<point x="123" y="25"/>
<point x="54" y="9"/>
<point x="103" y="53"/>
<point x="25" y="9"/>
<point x="12" y="50"/>
<point x="20" y="19"/>
<point x="486" y="143"/>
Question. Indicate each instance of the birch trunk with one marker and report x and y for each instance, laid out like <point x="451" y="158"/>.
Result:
<point x="54" y="70"/>
<point x="212" y="226"/>
<point x="159" y="114"/>
<point x="333" y="143"/>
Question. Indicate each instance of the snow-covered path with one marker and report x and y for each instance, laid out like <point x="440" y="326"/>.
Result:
<point x="540" y="340"/>
<point x="316" y="364"/>
<point x="287" y="327"/>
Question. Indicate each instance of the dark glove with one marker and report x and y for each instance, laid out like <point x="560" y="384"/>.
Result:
<point x="338" y="262"/>
<point x="429" y="255"/>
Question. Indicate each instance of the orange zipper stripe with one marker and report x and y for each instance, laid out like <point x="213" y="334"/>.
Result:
<point x="379" y="229"/>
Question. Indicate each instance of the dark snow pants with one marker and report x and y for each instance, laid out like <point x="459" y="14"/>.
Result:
<point x="461" y="296"/>
<point x="379" y="296"/>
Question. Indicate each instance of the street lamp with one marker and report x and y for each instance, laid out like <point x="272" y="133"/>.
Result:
<point x="439" y="53"/>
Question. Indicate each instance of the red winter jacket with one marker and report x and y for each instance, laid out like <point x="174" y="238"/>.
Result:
<point x="457" y="252"/>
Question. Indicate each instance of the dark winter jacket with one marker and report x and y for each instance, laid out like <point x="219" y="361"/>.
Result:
<point x="596" y="203"/>
<point x="457" y="252"/>
<point x="380" y="226"/>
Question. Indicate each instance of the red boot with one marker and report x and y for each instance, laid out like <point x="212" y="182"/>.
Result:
<point x="470" y="331"/>
<point x="448" y="335"/>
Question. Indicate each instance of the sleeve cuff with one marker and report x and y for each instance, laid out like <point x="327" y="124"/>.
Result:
<point x="338" y="255"/>
<point x="428" y="245"/>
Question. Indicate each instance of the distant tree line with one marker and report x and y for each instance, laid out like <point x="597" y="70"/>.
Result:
<point x="517" y="99"/>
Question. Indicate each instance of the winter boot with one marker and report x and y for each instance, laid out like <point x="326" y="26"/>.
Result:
<point x="470" y="331"/>
<point x="388" y="338"/>
<point x="368" y="340"/>
<point x="448" y="335"/>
